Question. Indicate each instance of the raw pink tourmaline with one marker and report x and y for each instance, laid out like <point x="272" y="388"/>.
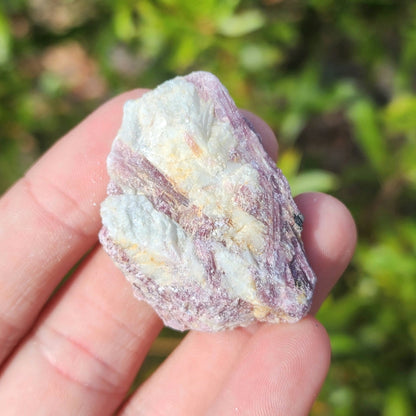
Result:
<point x="198" y="217"/>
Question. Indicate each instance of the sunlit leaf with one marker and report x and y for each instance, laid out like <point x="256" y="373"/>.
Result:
<point x="400" y="114"/>
<point x="289" y="162"/>
<point x="255" y="56"/>
<point x="397" y="402"/>
<point x="5" y="40"/>
<point x="241" y="24"/>
<point x="124" y="27"/>
<point x="314" y="181"/>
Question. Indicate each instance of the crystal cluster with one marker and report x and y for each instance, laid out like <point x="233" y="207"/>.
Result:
<point x="198" y="217"/>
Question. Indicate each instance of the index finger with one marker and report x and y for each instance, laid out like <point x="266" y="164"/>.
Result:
<point x="50" y="218"/>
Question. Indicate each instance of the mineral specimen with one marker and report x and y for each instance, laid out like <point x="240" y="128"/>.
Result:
<point x="198" y="217"/>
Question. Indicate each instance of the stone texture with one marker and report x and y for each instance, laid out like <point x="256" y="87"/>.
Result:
<point x="198" y="217"/>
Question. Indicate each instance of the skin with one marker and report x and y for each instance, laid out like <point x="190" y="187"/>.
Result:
<point x="78" y="352"/>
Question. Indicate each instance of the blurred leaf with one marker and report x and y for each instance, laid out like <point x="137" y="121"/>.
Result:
<point x="289" y="163"/>
<point x="397" y="402"/>
<point x="153" y="30"/>
<point x="343" y="399"/>
<point x="291" y="125"/>
<point x="407" y="233"/>
<point x="9" y="164"/>
<point x="314" y="181"/>
<point x="400" y="115"/>
<point x="343" y="344"/>
<point x="405" y="74"/>
<point x="185" y="52"/>
<point x="255" y="56"/>
<point x="407" y="162"/>
<point x="123" y="23"/>
<point x="391" y="261"/>
<point x="336" y="313"/>
<point x="51" y="84"/>
<point x="309" y="181"/>
<point x="5" y="39"/>
<point x="241" y="24"/>
<point x="368" y="134"/>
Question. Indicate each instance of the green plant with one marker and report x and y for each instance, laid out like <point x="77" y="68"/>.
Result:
<point x="334" y="79"/>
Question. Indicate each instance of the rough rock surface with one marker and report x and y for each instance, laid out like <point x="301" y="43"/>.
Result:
<point x="198" y="217"/>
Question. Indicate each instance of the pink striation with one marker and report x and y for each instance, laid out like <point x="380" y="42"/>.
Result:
<point x="198" y="217"/>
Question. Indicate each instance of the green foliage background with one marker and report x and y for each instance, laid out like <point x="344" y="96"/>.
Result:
<point x="336" y="80"/>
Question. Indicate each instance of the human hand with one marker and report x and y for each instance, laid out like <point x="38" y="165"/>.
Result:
<point x="76" y="353"/>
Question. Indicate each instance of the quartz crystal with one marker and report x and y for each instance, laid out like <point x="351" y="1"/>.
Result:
<point x="198" y="217"/>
